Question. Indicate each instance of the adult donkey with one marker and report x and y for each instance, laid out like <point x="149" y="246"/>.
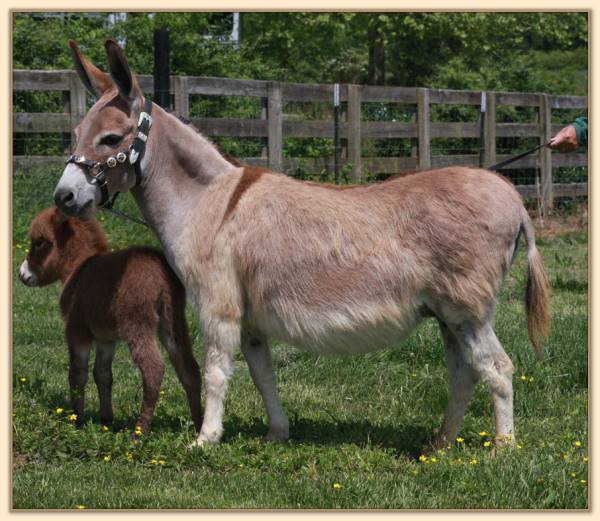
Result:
<point x="335" y="271"/>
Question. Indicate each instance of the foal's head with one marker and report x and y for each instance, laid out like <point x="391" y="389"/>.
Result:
<point x="107" y="129"/>
<point x="58" y="245"/>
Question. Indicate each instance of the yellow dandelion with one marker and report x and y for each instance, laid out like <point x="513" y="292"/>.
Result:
<point x="483" y="433"/>
<point x="161" y="461"/>
<point x="473" y="462"/>
<point x="80" y="507"/>
<point x="162" y="393"/>
<point x="104" y="428"/>
<point x="107" y="458"/>
<point x="577" y="444"/>
<point x="573" y="474"/>
<point x="531" y="378"/>
<point x="583" y="482"/>
<point x="138" y="431"/>
<point x="72" y="417"/>
<point x="241" y="465"/>
<point x="433" y="460"/>
<point x="129" y="456"/>
<point x="422" y="458"/>
<point x="59" y="410"/>
<point x="460" y="440"/>
<point x="519" y="446"/>
<point x="18" y="246"/>
<point x="23" y="379"/>
<point x="585" y="459"/>
<point x="523" y="378"/>
<point x="153" y="461"/>
<point x="487" y="443"/>
<point x="338" y="486"/>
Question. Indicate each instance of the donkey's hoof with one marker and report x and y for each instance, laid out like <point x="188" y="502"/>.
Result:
<point x="277" y="434"/>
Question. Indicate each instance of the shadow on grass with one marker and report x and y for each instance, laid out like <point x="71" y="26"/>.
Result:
<point x="407" y="440"/>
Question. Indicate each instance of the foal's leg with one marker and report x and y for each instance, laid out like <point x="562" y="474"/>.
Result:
<point x="180" y="353"/>
<point x="146" y="356"/>
<point x="258" y="355"/>
<point x="79" y="354"/>
<point x="461" y="383"/>
<point x="495" y="368"/>
<point x="221" y="337"/>
<point x="105" y="352"/>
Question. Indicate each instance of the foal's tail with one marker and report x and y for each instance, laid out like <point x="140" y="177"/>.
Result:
<point x="538" y="293"/>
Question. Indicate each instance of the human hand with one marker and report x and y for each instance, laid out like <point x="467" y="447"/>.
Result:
<point x="565" y="140"/>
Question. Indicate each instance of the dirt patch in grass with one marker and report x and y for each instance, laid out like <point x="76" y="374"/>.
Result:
<point x="561" y="223"/>
<point x="18" y="461"/>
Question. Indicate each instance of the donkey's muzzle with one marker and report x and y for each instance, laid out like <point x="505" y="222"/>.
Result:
<point x="65" y="200"/>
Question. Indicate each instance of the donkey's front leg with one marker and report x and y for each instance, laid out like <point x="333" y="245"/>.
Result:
<point x="221" y="337"/>
<point x="258" y="355"/>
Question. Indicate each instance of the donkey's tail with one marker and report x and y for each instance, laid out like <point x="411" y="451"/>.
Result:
<point x="537" y="297"/>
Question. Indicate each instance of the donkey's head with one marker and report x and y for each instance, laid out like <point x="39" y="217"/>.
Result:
<point x="101" y="155"/>
<point x="58" y="245"/>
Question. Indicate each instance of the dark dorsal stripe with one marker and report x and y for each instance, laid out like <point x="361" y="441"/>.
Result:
<point x="250" y="175"/>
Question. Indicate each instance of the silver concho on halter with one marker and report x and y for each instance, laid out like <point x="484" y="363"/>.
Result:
<point x="121" y="157"/>
<point x="111" y="162"/>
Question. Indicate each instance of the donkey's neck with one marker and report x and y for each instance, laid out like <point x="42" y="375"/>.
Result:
<point x="178" y="166"/>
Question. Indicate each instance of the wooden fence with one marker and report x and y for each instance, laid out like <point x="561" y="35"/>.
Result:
<point x="274" y="126"/>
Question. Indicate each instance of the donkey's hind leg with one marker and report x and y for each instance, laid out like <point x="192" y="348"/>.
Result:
<point x="103" y="377"/>
<point x="461" y="382"/>
<point x="492" y="365"/>
<point x="146" y="356"/>
<point x="258" y="356"/>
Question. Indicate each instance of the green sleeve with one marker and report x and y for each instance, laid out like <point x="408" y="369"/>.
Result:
<point x="581" y="127"/>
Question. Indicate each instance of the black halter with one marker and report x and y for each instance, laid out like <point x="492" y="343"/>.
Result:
<point x="135" y="152"/>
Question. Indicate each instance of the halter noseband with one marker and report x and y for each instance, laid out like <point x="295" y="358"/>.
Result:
<point x="97" y="169"/>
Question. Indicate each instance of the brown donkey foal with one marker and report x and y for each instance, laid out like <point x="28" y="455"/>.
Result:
<point x="107" y="296"/>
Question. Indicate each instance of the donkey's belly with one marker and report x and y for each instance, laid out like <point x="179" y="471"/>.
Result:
<point x="344" y="331"/>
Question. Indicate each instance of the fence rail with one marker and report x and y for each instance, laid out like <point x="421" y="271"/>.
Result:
<point x="273" y="125"/>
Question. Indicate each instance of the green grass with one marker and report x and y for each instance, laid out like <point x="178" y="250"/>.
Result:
<point x="359" y="422"/>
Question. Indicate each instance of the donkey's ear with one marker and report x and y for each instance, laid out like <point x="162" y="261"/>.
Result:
<point x="121" y="73"/>
<point x="93" y="78"/>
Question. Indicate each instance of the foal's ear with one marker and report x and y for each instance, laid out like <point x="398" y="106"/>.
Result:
<point x="121" y="73"/>
<point x="93" y="78"/>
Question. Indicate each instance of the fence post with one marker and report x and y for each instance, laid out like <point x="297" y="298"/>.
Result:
<point x="66" y="136"/>
<point x="547" y="188"/>
<point x="490" y="129"/>
<point x="423" y="129"/>
<point x="264" y="114"/>
<point x="354" y="137"/>
<point x="275" y="126"/>
<point x="76" y="102"/>
<point x="181" y="96"/>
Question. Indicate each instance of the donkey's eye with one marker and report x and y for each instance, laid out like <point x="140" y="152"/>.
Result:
<point x="39" y="243"/>
<point x="112" y="140"/>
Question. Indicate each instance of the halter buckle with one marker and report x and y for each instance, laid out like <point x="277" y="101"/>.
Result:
<point x="145" y="116"/>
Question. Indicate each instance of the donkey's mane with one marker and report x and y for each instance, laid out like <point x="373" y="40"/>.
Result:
<point x="187" y="122"/>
